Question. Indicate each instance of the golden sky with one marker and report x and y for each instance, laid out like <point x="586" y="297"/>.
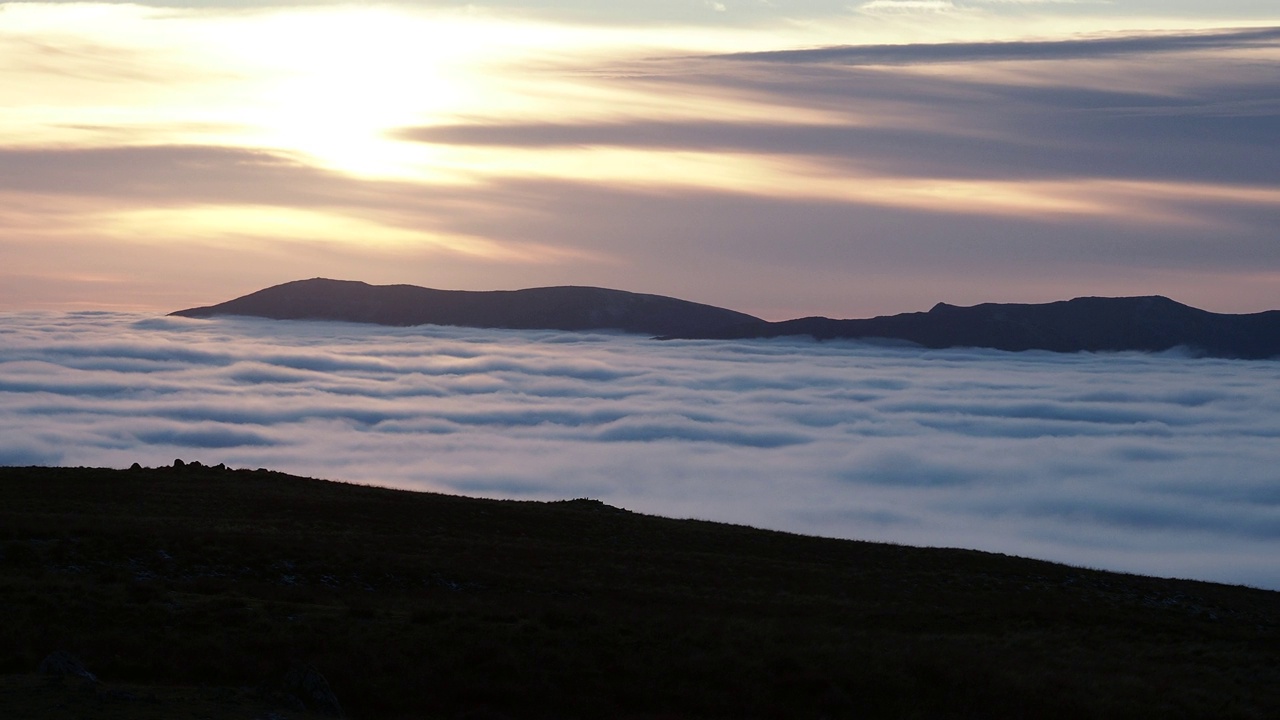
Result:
<point x="778" y="158"/>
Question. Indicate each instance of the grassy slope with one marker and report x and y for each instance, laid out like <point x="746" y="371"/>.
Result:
<point x="426" y="606"/>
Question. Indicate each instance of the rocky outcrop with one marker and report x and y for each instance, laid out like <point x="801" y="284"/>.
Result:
<point x="64" y="664"/>
<point x="306" y="684"/>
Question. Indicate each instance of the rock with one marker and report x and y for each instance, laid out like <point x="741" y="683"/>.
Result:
<point x="483" y="713"/>
<point x="63" y="663"/>
<point x="308" y="685"/>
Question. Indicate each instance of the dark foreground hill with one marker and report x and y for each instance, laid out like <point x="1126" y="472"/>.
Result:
<point x="200" y="592"/>
<point x="1084" y="324"/>
<point x="552" y="308"/>
<point x="1094" y="324"/>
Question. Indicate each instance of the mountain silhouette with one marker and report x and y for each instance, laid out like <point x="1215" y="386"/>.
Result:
<point x="1095" y="324"/>
<point x="551" y="308"/>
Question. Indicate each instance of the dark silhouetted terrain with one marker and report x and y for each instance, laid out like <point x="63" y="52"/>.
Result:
<point x="1083" y="324"/>
<point x="553" y="308"/>
<point x="199" y="591"/>
<point x="1149" y="324"/>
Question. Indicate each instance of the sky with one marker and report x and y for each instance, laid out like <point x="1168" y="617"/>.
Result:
<point x="780" y="158"/>
<point x="1159" y="464"/>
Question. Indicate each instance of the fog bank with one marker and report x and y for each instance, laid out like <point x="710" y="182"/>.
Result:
<point x="1160" y="464"/>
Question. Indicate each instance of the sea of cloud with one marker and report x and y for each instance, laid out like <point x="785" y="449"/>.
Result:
<point x="1157" y="464"/>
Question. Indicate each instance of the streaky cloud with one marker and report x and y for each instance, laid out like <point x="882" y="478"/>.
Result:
<point x="203" y="174"/>
<point x="1018" y="50"/>
<point x="984" y="128"/>
<point x="204" y="436"/>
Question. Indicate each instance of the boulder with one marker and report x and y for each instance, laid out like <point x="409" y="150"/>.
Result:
<point x="308" y="685"/>
<point x="64" y="664"/>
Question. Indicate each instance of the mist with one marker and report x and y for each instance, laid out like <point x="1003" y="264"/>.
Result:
<point x="1155" y="464"/>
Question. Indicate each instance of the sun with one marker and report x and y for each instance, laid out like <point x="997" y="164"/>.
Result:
<point x="333" y="83"/>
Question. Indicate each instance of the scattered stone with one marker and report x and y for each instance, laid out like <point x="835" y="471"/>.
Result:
<point x="592" y="505"/>
<point x="118" y="696"/>
<point x="63" y="663"/>
<point x="482" y="713"/>
<point x="308" y="685"/>
<point x="17" y="553"/>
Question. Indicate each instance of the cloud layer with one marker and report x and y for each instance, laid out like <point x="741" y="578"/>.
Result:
<point x="1153" y="464"/>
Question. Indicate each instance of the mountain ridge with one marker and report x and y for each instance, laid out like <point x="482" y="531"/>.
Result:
<point x="1152" y="323"/>
<point x="1085" y="324"/>
<point x="571" y="308"/>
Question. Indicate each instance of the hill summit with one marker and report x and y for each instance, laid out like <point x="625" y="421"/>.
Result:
<point x="1084" y="324"/>
<point x="551" y="308"/>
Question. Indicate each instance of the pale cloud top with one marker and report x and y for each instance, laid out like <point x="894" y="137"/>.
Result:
<point x="1151" y="464"/>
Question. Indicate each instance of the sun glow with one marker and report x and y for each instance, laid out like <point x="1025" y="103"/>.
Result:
<point x="332" y="82"/>
<point x="233" y="225"/>
<point x="465" y="139"/>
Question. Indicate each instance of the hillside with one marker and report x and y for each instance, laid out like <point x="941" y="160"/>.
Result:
<point x="552" y="308"/>
<point x="1090" y="324"/>
<point x="1093" y="324"/>
<point x="191" y="591"/>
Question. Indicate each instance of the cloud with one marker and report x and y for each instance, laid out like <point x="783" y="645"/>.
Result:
<point x="1210" y="122"/>
<point x="1147" y="463"/>
<point x="959" y="172"/>
<point x="1124" y="165"/>
<point x="683" y="428"/>
<point x="176" y="174"/>
<point x="1112" y="143"/>
<point x="663" y="13"/>
<point x="1012" y="50"/>
<point x="938" y="6"/>
<point x="203" y="436"/>
<point x="858" y="251"/>
<point x="1142" y="170"/>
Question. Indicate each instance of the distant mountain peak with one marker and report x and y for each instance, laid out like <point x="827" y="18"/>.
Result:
<point x="1150" y="323"/>
<point x="573" y="308"/>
